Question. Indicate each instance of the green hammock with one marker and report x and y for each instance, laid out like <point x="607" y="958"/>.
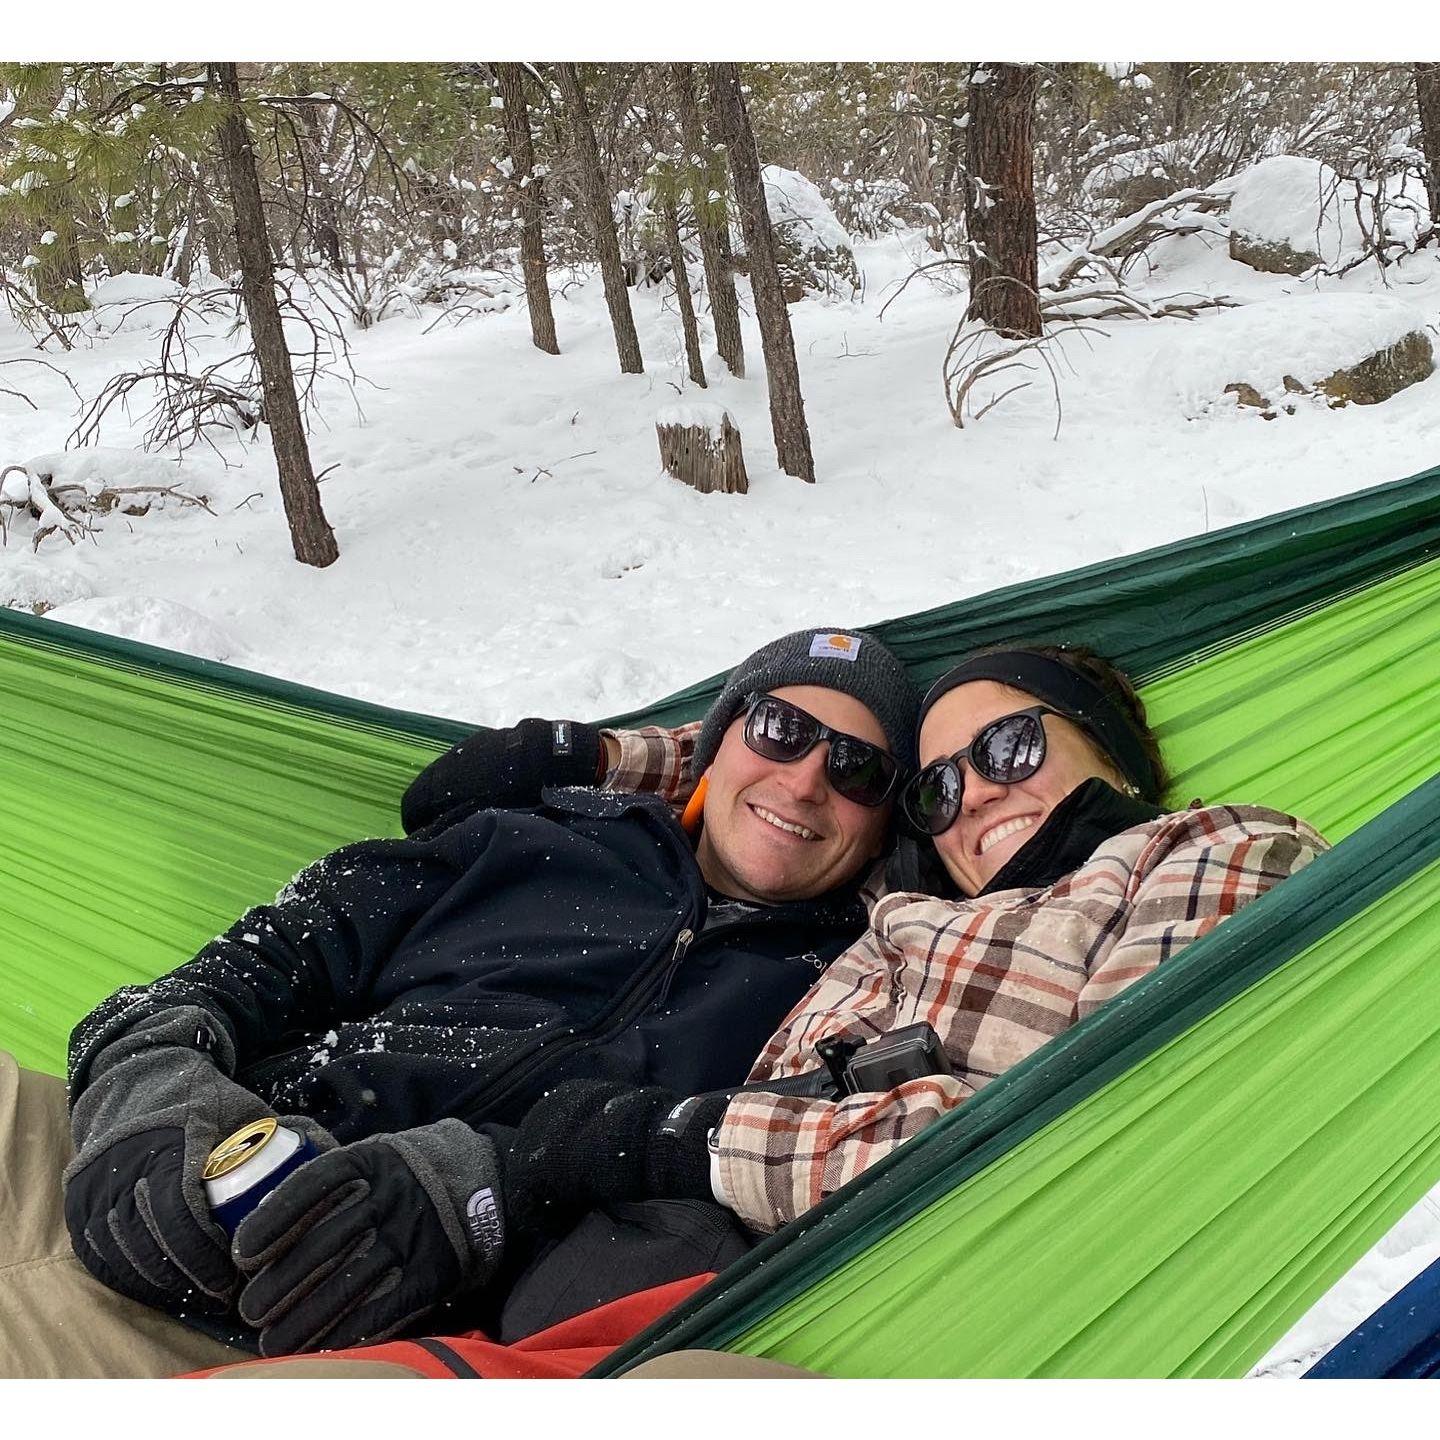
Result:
<point x="1289" y="662"/>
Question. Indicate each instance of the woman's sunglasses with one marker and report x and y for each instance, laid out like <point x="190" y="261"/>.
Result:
<point x="1006" y="750"/>
<point x="855" y="768"/>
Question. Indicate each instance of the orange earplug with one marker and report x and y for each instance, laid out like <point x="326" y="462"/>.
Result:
<point x="695" y="807"/>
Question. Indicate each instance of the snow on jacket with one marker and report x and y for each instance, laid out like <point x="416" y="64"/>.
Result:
<point x="396" y="982"/>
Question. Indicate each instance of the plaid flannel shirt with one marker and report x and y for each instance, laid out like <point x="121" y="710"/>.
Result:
<point x="997" y="977"/>
<point x="654" y="761"/>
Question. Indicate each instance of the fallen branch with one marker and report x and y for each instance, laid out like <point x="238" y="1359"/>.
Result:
<point x="50" y="515"/>
<point x="1103" y="302"/>
<point x="1134" y="232"/>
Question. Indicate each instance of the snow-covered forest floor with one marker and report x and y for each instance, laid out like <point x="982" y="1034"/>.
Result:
<point x="510" y="546"/>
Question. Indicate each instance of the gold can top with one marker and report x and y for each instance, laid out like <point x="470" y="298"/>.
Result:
<point x="233" y="1152"/>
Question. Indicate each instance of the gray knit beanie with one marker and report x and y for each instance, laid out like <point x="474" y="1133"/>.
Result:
<point x="851" y="661"/>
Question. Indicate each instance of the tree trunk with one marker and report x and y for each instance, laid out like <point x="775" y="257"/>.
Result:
<point x="787" y="408"/>
<point x="1180" y="74"/>
<point x="318" y="213"/>
<point x="602" y="220"/>
<point x="527" y="189"/>
<point x="1000" y="199"/>
<point x="682" y="291"/>
<point x="1427" y="95"/>
<point x="711" y="224"/>
<point x="185" y="257"/>
<point x="310" y="532"/>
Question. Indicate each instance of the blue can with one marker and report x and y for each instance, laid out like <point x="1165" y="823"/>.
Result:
<point x="245" y="1168"/>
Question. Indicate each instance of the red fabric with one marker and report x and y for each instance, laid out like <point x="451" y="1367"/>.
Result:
<point x="562" y="1352"/>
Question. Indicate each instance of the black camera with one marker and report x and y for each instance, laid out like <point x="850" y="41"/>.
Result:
<point x="887" y="1061"/>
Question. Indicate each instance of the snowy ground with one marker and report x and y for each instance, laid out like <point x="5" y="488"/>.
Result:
<point x="509" y="545"/>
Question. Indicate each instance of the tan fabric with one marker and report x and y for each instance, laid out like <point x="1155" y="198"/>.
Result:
<point x="302" y="1367"/>
<point x="715" y="1365"/>
<point x="56" y="1319"/>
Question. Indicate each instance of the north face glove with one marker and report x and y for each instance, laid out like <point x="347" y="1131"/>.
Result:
<point x="592" y="1142"/>
<point x="495" y="768"/>
<point x="361" y="1242"/>
<point x="155" y="1104"/>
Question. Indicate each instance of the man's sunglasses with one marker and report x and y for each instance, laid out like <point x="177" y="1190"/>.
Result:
<point x="855" y="768"/>
<point x="1006" y="750"/>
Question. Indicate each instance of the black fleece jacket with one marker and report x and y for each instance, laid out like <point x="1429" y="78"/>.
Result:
<point x="396" y="982"/>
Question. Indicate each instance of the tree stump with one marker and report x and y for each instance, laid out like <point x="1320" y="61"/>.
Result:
<point x="700" y="445"/>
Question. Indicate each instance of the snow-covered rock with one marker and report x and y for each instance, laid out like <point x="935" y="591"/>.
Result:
<point x="1303" y="339"/>
<point x="815" y="248"/>
<point x="101" y="467"/>
<point x="1288" y="214"/>
<point x="129" y="289"/>
<point x="150" y="621"/>
<point x="28" y="583"/>
<point x="1136" y="177"/>
<point x="132" y="304"/>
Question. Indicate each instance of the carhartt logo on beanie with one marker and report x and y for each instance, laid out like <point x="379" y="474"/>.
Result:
<point x="850" y="661"/>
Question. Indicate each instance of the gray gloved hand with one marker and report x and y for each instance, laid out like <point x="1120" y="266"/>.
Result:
<point x="359" y="1243"/>
<point x="155" y="1104"/>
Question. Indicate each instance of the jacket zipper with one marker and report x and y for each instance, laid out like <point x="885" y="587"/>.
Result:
<point x="626" y="1007"/>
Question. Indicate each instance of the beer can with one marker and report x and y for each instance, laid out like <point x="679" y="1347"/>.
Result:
<point x="247" y="1166"/>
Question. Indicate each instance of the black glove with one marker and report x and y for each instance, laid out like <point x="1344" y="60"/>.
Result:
<point x="150" y="1113"/>
<point x="592" y="1142"/>
<point x="361" y="1242"/>
<point x="496" y="768"/>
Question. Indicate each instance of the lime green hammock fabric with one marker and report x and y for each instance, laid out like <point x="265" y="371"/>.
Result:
<point x="1141" y="1197"/>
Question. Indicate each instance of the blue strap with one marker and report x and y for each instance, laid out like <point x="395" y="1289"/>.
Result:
<point x="1400" y="1341"/>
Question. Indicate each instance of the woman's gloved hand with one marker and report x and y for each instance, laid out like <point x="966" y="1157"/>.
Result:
<point x="591" y="1142"/>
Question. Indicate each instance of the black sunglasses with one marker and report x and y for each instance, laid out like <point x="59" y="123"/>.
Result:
<point x="855" y="768"/>
<point x="1006" y="750"/>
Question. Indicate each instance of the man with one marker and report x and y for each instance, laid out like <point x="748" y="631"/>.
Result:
<point x="400" y="994"/>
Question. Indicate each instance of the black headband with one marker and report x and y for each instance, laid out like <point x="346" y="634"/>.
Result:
<point x="1074" y="694"/>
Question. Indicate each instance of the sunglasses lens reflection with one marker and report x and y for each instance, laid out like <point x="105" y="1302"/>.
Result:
<point x="855" y="768"/>
<point x="1012" y="749"/>
<point x="934" y="798"/>
<point x="860" y="771"/>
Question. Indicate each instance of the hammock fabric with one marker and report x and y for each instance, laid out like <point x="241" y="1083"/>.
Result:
<point x="1288" y="662"/>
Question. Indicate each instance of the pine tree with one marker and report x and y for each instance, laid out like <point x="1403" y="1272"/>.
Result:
<point x="782" y="373"/>
<point x="310" y="532"/>
<point x="707" y="184"/>
<point x="601" y="217"/>
<point x="1000" y="200"/>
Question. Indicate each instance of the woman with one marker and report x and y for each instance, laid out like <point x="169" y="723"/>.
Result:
<point x="1038" y="789"/>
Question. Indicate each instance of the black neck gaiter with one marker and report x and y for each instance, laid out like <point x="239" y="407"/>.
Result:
<point x="1088" y="816"/>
